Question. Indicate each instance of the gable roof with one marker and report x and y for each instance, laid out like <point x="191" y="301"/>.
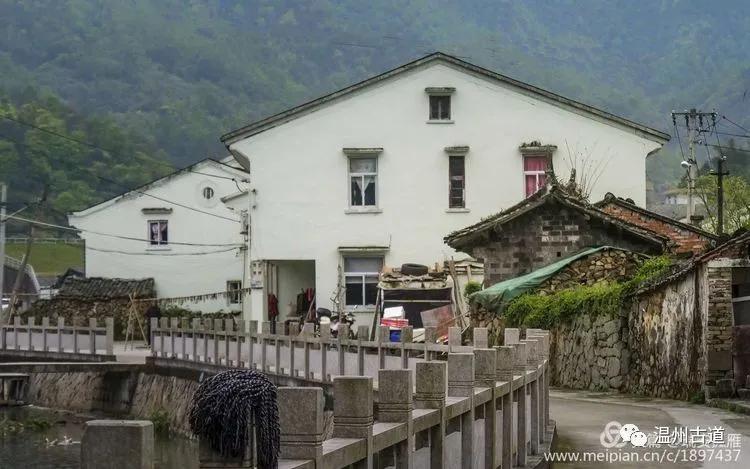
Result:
<point x="297" y="111"/>
<point x="100" y="288"/>
<point x="187" y="169"/>
<point x="610" y="198"/>
<point x="552" y="192"/>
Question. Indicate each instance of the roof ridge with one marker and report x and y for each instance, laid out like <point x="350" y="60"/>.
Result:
<point x="270" y="121"/>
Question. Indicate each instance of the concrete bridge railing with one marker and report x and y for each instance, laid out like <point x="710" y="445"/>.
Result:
<point x="394" y="404"/>
<point x="59" y="339"/>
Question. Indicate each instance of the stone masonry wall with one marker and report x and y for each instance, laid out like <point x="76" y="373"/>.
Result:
<point x="590" y="353"/>
<point x="544" y="236"/>
<point x="666" y="340"/>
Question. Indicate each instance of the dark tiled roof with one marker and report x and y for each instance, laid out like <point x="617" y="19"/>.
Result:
<point x="552" y="192"/>
<point x="106" y="288"/>
<point x="610" y="198"/>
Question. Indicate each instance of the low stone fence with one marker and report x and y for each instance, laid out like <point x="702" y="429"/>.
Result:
<point x="58" y="339"/>
<point x="480" y="407"/>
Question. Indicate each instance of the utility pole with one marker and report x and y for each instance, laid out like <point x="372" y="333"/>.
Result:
<point x="694" y="121"/>
<point x="3" y="201"/>
<point x="720" y="173"/>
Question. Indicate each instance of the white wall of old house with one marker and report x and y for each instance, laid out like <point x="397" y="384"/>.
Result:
<point x="300" y="206"/>
<point x="174" y="275"/>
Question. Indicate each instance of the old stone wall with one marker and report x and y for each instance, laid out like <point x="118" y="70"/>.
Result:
<point x="590" y="353"/>
<point x="547" y="235"/>
<point x="138" y="395"/>
<point x="666" y="340"/>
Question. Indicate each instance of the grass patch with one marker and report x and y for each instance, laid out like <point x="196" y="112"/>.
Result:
<point x="544" y="311"/>
<point x="49" y="259"/>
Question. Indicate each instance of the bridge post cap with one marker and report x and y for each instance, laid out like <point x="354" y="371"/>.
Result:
<point x="301" y="410"/>
<point x="395" y="395"/>
<point x="511" y="336"/>
<point x="485" y="364"/>
<point x="454" y="336"/>
<point x="481" y="337"/>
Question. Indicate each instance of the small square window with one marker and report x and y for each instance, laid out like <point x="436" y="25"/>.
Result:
<point x="440" y="107"/>
<point x="158" y="232"/>
<point x="535" y="173"/>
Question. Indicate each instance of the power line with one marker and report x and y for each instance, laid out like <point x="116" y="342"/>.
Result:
<point x="98" y="147"/>
<point x="129" y="189"/>
<point x="736" y="124"/>
<point x="110" y="235"/>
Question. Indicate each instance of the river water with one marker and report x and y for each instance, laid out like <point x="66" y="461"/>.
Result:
<point x="59" y="446"/>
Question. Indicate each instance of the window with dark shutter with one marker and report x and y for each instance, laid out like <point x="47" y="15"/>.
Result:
<point x="457" y="181"/>
<point x="440" y="107"/>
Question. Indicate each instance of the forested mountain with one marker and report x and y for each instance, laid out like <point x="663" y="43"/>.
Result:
<point x="175" y="74"/>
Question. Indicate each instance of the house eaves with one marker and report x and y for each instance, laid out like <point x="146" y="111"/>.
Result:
<point x="461" y="238"/>
<point x="610" y="198"/>
<point x="285" y="116"/>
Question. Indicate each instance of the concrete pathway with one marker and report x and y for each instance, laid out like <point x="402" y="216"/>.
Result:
<point x="582" y="416"/>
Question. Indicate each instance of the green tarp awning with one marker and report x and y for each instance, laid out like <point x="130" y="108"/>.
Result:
<point x="495" y="297"/>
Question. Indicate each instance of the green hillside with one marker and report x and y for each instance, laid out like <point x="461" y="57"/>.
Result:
<point x="165" y="78"/>
<point x="50" y="259"/>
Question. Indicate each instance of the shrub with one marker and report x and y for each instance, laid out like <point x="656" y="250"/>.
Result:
<point x="471" y="288"/>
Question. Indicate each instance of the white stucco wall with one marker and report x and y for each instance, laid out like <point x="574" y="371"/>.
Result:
<point x="301" y="200"/>
<point x="174" y="275"/>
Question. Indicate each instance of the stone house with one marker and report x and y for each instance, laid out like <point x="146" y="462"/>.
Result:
<point x="79" y="299"/>
<point x="544" y="228"/>
<point x="687" y="239"/>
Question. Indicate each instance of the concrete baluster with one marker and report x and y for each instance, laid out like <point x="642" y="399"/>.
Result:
<point x="454" y="337"/>
<point x="16" y="327"/>
<point x="343" y="336"/>
<point x="154" y="326"/>
<point x="3" y="343"/>
<point x="481" y="337"/>
<point x="485" y="369"/>
<point x="533" y="391"/>
<point x="238" y="336"/>
<point x="511" y="336"/>
<point x="265" y="329"/>
<point x="109" y="338"/>
<point x="30" y="329"/>
<point x="384" y="336"/>
<point x="431" y="391"/>
<point x="216" y="325"/>
<point x="117" y="443"/>
<point x="45" y="326"/>
<point x="184" y="326"/>
<point x="519" y="368"/>
<point x="301" y="419"/>
<point x="228" y="334"/>
<point x="195" y="325"/>
<point x="174" y="323"/>
<point x="363" y="335"/>
<point x="407" y="335"/>
<point x="292" y="349"/>
<point x="163" y="327"/>
<point x="352" y="413"/>
<point x="277" y="341"/>
<point x="92" y="336"/>
<point x="323" y="341"/>
<point x="395" y="404"/>
<point x="430" y="338"/>
<point x="60" y="331"/>
<point x="461" y="384"/>
<point x="252" y="333"/>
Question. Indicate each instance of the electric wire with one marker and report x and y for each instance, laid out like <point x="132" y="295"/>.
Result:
<point x="90" y="171"/>
<point x="110" y="235"/>
<point x="736" y="124"/>
<point x="160" y="254"/>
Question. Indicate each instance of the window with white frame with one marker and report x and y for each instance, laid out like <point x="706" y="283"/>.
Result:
<point x="158" y="232"/>
<point x="363" y="178"/>
<point x="534" y="173"/>
<point x="440" y="107"/>
<point x="361" y="280"/>
<point x="234" y="293"/>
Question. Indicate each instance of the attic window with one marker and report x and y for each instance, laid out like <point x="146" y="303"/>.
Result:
<point x="440" y="104"/>
<point x="537" y="162"/>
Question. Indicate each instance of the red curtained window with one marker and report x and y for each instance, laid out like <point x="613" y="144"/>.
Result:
<point x="535" y="173"/>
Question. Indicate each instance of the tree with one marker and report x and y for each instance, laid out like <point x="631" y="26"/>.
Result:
<point x="736" y="202"/>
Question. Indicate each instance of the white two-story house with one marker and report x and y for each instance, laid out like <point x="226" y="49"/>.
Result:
<point x="377" y="173"/>
<point x="186" y="230"/>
